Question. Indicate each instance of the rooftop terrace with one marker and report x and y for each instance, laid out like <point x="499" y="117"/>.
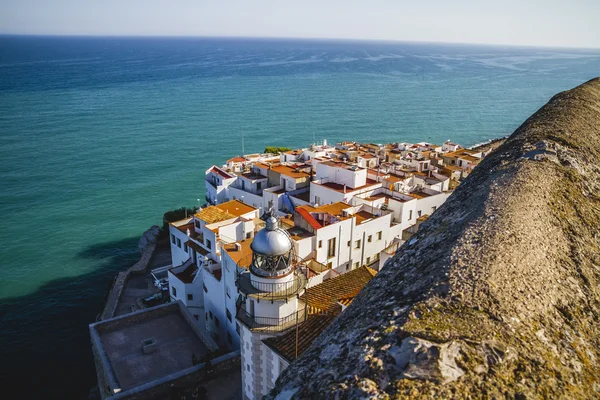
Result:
<point x="148" y="345"/>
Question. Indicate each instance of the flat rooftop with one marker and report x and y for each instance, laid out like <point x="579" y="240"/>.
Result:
<point x="175" y="336"/>
<point x="340" y="188"/>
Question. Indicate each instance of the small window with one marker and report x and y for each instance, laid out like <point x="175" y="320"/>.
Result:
<point x="248" y="367"/>
<point x="248" y="235"/>
<point x="356" y="265"/>
<point x="237" y="329"/>
<point x="409" y="215"/>
<point x="229" y="338"/>
<point x="368" y="260"/>
<point x="178" y="242"/>
<point x="210" y="314"/>
<point x="258" y="185"/>
<point x="173" y="238"/>
<point x="331" y="247"/>
<point x="419" y="213"/>
<point x="205" y="316"/>
<point x="208" y="244"/>
<point x="370" y="238"/>
<point x="174" y="291"/>
<point x="228" y="316"/>
<point x="185" y="247"/>
<point x="376" y="256"/>
<point x="197" y="223"/>
<point x="196" y="317"/>
<point x="217" y="322"/>
<point x="357" y="244"/>
<point x="204" y="287"/>
<point x="347" y="267"/>
<point x="190" y="296"/>
<point x="349" y="243"/>
<point x="320" y="243"/>
<point x="379" y="234"/>
<point x="227" y="291"/>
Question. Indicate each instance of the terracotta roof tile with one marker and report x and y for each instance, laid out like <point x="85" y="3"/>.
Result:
<point x="220" y="172"/>
<point x="324" y="295"/>
<point x="308" y="217"/>
<point x="308" y="331"/>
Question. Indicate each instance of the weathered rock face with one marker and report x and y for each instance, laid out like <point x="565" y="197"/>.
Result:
<point x="498" y="295"/>
<point x="149" y="237"/>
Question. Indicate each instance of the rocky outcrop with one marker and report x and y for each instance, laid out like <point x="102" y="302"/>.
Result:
<point x="149" y="237"/>
<point x="497" y="295"/>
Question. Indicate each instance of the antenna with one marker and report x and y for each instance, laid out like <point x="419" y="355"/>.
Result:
<point x="243" y="152"/>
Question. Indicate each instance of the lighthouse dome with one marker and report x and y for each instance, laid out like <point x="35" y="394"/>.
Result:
<point x="271" y="240"/>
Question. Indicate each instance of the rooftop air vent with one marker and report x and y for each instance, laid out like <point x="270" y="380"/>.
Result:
<point x="148" y="346"/>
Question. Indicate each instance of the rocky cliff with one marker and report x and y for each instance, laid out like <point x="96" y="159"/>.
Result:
<point x="498" y="294"/>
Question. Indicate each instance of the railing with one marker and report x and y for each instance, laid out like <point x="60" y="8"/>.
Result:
<point x="271" y="291"/>
<point x="271" y="324"/>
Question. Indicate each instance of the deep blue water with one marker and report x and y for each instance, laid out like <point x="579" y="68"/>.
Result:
<point x="99" y="136"/>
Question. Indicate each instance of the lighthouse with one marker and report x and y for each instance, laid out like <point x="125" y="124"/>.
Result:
<point x="268" y="304"/>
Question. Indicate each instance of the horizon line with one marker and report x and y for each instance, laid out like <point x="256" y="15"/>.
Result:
<point x="332" y="39"/>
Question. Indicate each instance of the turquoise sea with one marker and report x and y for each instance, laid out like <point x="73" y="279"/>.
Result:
<point x="100" y="136"/>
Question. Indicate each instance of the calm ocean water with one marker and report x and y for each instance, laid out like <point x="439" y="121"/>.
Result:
<point x="99" y="136"/>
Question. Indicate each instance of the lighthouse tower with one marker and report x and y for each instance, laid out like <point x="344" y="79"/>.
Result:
<point x="268" y="304"/>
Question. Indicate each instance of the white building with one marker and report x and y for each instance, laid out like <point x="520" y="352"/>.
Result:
<point x="197" y="279"/>
<point x="268" y="304"/>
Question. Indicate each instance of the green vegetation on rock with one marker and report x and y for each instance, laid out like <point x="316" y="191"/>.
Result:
<point x="276" y="150"/>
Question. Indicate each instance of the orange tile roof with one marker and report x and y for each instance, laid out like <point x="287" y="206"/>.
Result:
<point x="237" y="160"/>
<point x="289" y="171"/>
<point x="324" y="295"/>
<point x="334" y="209"/>
<point x="220" y="172"/>
<point x="308" y="217"/>
<point x="423" y="217"/>
<point x="363" y="216"/>
<point x="213" y="214"/>
<point x="235" y="207"/>
<point x="308" y="331"/>
<point x="418" y="195"/>
<point x="243" y="256"/>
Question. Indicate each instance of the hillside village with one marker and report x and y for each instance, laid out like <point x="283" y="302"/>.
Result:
<point x="287" y="240"/>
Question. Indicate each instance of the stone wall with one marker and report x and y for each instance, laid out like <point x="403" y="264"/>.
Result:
<point x="147" y="246"/>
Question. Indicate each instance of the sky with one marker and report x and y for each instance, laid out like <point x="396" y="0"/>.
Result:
<point x="555" y="23"/>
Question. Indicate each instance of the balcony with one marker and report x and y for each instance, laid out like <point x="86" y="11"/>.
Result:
<point x="271" y="324"/>
<point x="271" y="291"/>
